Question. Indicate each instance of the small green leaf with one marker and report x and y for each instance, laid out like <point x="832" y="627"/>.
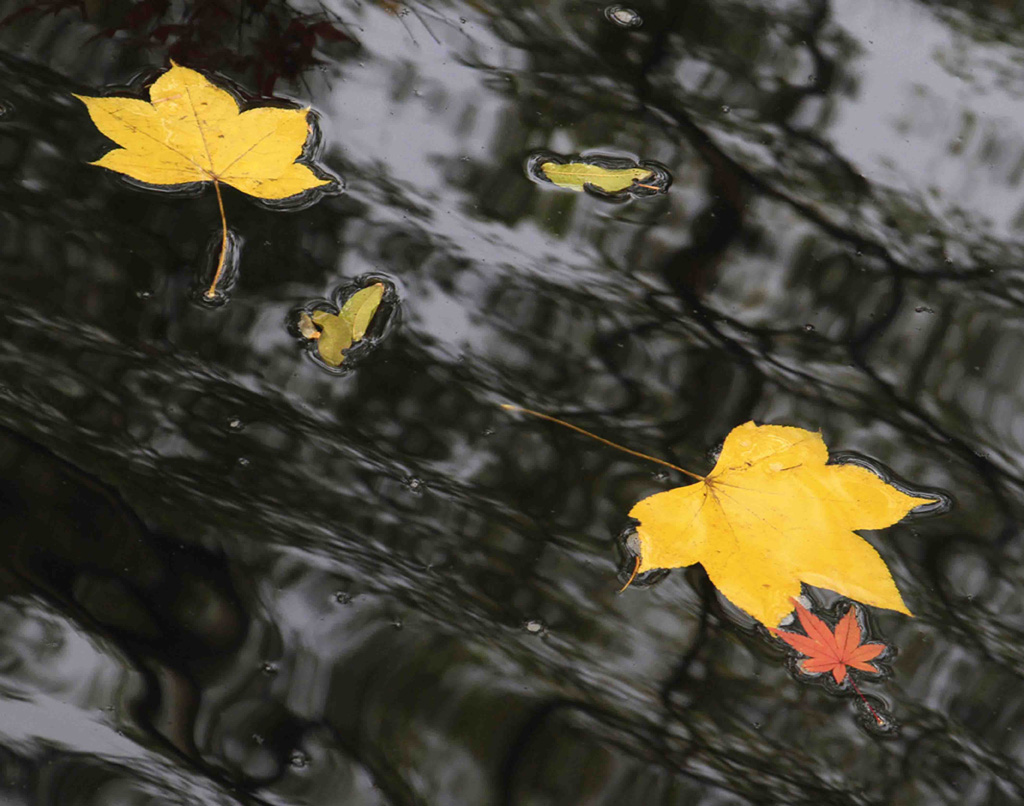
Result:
<point x="360" y="308"/>
<point x="335" y="337"/>
<point x="575" y="175"/>
<point x="339" y="331"/>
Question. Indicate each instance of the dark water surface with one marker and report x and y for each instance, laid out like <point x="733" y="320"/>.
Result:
<point x="231" y="577"/>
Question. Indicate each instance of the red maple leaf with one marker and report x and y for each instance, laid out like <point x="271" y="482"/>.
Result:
<point x="831" y="652"/>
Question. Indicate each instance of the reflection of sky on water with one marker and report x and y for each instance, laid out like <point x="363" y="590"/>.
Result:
<point x="410" y="107"/>
<point x="930" y="112"/>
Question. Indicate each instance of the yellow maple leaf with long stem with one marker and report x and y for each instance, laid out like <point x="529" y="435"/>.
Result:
<point x="772" y="514"/>
<point x="191" y="130"/>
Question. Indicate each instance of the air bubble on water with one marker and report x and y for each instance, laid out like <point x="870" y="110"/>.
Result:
<point x="396" y="622"/>
<point x="143" y="294"/>
<point x="235" y="424"/>
<point x="660" y="475"/>
<point x="343" y="597"/>
<point x="258" y="739"/>
<point x="414" y="484"/>
<point x="923" y="309"/>
<point x="726" y="109"/>
<point x="268" y="668"/>
<point x="623" y="16"/>
<point x="243" y="462"/>
<point x="534" y="626"/>
<point x="809" y="327"/>
<point x="298" y="759"/>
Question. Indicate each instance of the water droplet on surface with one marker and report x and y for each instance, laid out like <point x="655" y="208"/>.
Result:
<point x="623" y="16"/>
<point x="533" y="626"/>
<point x="298" y="759"/>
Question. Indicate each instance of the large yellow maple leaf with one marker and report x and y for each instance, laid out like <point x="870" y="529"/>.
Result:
<point x="191" y="130"/>
<point x="773" y="514"/>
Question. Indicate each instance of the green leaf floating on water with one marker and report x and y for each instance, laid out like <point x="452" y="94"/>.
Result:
<point x="574" y="175"/>
<point x="335" y="333"/>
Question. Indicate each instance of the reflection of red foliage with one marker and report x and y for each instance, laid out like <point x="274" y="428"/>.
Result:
<point x="43" y="7"/>
<point x="289" y="51"/>
<point x="266" y="38"/>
